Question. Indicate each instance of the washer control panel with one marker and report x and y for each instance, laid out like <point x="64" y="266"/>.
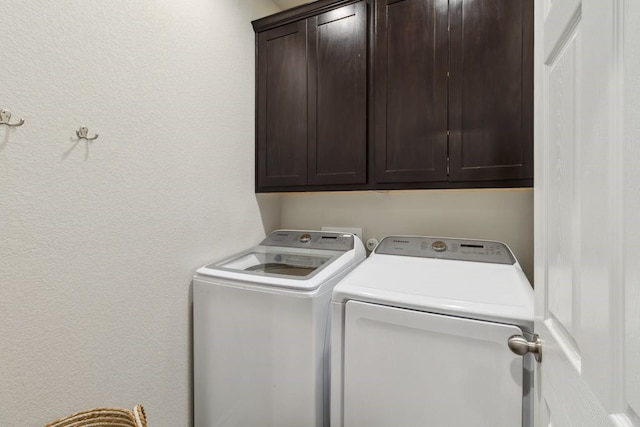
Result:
<point x="330" y="240"/>
<point x="447" y="248"/>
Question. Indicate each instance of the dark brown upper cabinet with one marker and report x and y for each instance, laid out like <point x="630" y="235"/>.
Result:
<point x="392" y="94"/>
<point x="312" y="99"/>
<point x="411" y="64"/>
<point x="491" y="90"/>
<point x="453" y="93"/>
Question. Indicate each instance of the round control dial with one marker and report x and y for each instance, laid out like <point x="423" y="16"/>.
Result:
<point x="439" y="246"/>
<point x="305" y="238"/>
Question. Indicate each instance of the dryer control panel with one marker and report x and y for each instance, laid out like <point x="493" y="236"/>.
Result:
<point x="447" y="248"/>
<point x="330" y="240"/>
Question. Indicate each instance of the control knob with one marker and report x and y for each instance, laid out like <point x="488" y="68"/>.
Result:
<point x="439" y="246"/>
<point x="305" y="238"/>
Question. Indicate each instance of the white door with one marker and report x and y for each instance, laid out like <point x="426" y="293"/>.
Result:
<point x="587" y="212"/>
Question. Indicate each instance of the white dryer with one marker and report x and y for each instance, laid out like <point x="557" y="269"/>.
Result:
<point x="261" y="330"/>
<point x="419" y="337"/>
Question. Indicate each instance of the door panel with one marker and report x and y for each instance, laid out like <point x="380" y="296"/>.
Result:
<point x="563" y="233"/>
<point x="411" y="91"/>
<point x="282" y="106"/>
<point x="491" y="90"/>
<point x="408" y="368"/>
<point x="338" y="96"/>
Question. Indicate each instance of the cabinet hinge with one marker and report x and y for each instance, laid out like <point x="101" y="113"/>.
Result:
<point x="448" y="166"/>
<point x="448" y="133"/>
<point x="447" y="74"/>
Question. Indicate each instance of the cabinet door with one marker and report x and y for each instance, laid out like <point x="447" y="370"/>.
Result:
<point x="411" y="49"/>
<point x="491" y="90"/>
<point x="282" y="106"/>
<point x="338" y="96"/>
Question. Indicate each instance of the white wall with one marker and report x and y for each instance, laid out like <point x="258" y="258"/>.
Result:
<point x="504" y="215"/>
<point x="98" y="241"/>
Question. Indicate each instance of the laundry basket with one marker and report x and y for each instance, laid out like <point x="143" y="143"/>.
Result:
<point x="104" y="417"/>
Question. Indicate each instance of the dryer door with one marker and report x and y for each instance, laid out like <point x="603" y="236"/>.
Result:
<point x="410" y="368"/>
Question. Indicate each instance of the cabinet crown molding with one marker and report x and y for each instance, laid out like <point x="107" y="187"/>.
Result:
<point x="297" y="13"/>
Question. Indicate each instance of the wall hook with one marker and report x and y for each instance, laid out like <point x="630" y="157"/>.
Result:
<point x="82" y="134"/>
<point x="5" y="116"/>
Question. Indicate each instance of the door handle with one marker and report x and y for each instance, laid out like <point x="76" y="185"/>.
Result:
<point x="520" y="346"/>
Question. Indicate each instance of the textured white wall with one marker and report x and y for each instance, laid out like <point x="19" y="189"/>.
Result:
<point x="98" y="241"/>
<point x="504" y="215"/>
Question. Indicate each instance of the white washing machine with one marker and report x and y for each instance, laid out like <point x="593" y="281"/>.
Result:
<point x="419" y="337"/>
<point x="261" y="330"/>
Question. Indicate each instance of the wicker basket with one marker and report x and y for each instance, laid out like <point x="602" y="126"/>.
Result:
<point x="104" y="417"/>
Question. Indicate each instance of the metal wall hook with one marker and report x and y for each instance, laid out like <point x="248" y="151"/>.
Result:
<point x="82" y="134"/>
<point x="5" y="116"/>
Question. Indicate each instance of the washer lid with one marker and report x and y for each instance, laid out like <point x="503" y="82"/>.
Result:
<point x="290" y="259"/>
<point x="498" y="292"/>
<point x="286" y="262"/>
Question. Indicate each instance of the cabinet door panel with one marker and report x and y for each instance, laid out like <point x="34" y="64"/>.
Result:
<point x="282" y="106"/>
<point x="491" y="90"/>
<point x="411" y="91"/>
<point x="338" y="96"/>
